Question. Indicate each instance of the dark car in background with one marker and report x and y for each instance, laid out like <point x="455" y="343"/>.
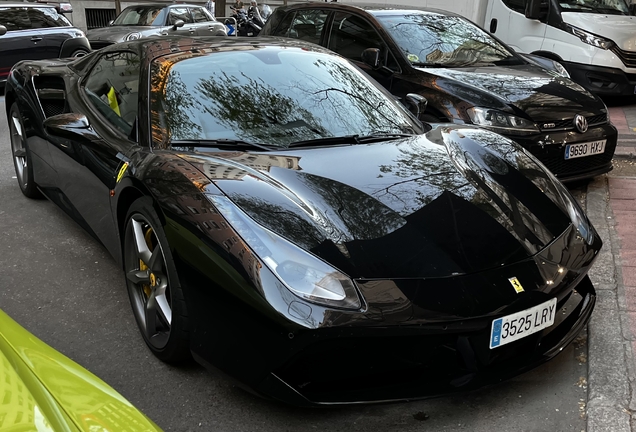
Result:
<point x="467" y="76"/>
<point x="34" y="32"/>
<point x="150" y="19"/>
<point x="315" y="241"/>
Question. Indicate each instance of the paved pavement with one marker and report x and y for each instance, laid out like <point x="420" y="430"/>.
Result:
<point x="611" y="205"/>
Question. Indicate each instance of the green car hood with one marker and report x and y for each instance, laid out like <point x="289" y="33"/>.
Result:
<point x="43" y="390"/>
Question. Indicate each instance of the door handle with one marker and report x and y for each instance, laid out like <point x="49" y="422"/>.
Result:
<point x="191" y="30"/>
<point x="36" y="39"/>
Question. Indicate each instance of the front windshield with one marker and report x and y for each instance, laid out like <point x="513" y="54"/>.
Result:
<point x="431" y="39"/>
<point x="138" y="16"/>
<point x="614" y="7"/>
<point x="268" y="95"/>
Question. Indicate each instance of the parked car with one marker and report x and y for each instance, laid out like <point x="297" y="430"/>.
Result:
<point x="45" y="391"/>
<point x="144" y="20"/>
<point x="282" y="217"/>
<point x="467" y="76"/>
<point x="36" y="31"/>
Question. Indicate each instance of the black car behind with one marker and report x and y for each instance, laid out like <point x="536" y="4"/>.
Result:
<point x="467" y="76"/>
<point x="35" y="32"/>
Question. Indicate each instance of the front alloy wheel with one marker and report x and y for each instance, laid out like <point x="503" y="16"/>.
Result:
<point x="154" y="292"/>
<point x="21" y="155"/>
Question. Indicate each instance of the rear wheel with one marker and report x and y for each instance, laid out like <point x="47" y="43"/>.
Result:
<point x="153" y="287"/>
<point x="79" y="53"/>
<point x="21" y="154"/>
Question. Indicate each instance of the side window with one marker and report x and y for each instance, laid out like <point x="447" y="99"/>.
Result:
<point x="351" y="34"/>
<point x="516" y="5"/>
<point x="307" y="25"/>
<point x="284" y="25"/>
<point x="112" y="87"/>
<point x="14" y="18"/>
<point x="46" y="17"/>
<point x="179" y="13"/>
<point x="201" y="15"/>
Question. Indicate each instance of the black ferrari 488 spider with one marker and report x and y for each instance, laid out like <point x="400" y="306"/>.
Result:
<point x="280" y="216"/>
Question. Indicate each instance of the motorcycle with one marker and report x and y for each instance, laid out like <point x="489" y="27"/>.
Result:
<point x="248" y="23"/>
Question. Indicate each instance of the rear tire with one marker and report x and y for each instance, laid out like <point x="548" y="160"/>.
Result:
<point x="153" y="286"/>
<point x="79" y="53"/>
<point x="21" y="154"/>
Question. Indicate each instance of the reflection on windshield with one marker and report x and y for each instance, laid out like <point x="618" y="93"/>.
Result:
<point x="272" y="96"/>
<point x="617" y="7"/>
<point x="141" y="16"/>
<point x="430" y="39"/>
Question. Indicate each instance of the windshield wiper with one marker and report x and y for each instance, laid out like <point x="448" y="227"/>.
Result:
<point x="224" y="143"/>
<point x="350" y="139"/>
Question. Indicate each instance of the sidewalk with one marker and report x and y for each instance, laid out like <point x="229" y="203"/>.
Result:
<point x="611" y="206"/>
<point x="624" y="118"/>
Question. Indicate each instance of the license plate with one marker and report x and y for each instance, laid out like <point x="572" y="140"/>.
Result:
<point x="521" y="324"/>
<point x="584" y="149"/>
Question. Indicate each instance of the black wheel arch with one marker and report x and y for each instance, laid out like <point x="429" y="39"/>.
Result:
<point x="74" y="44"/>
<point x="548" y="54"/>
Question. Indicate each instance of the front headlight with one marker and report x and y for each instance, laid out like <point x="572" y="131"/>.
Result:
<point x="133" y="36"/>
<point x="589" y="38"/>
<point x="304" y="274"/>
<point x="501" y="122"/>
<point x="561" y="70"/>
<point x="577" y="216"/>
<point x="77" y="33"/>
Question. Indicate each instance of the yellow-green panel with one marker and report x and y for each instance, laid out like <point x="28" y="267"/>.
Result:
<point x="62" y="390"/>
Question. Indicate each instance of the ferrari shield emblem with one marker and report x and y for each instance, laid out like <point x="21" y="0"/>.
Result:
<point x="516" y="284"/>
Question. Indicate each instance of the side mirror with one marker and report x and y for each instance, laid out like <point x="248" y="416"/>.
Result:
<point x="177" y="24"/>
<point x="371" y="56"/>
<point x="533" y="10"/>
<point x="69" y="126"/>
<point x="3" y="30"/>
<point x="418" y="102"/>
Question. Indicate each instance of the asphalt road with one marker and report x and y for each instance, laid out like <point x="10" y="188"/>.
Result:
<point x="62" y="285"/>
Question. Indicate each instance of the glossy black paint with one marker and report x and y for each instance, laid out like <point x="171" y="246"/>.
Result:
<point x="430" y="227"/>
<point x="526" y="90"/>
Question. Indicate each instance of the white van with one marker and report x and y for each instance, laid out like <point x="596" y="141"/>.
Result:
<point x="594" y="39"/>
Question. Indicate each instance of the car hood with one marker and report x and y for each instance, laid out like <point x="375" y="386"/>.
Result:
<point x="528" y="89"/>
<point x="49" y="392"/>
<point x="118" y="33"/>
<point x="455" y="201"/>
<point x="621" y="29"/>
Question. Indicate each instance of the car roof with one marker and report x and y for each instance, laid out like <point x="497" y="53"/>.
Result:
<point x="163" y="5"/>
<point x="28" y="5"/>
<point x="372" y="8"/>
<point x="155" y="47"/>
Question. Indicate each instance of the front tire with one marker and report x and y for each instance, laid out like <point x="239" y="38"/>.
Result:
<point x="153" y="286"/>
<point x="21" y="154"/>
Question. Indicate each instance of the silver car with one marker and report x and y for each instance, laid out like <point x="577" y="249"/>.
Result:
<point x="139" y="21"/>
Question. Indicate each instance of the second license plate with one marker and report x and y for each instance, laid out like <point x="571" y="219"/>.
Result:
<point x="584" y="149"/>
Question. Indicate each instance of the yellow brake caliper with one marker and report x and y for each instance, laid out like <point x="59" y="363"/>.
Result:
<point x="143" y="266"/>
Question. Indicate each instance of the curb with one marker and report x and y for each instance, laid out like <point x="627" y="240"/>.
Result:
<point x="609" y="353"/>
